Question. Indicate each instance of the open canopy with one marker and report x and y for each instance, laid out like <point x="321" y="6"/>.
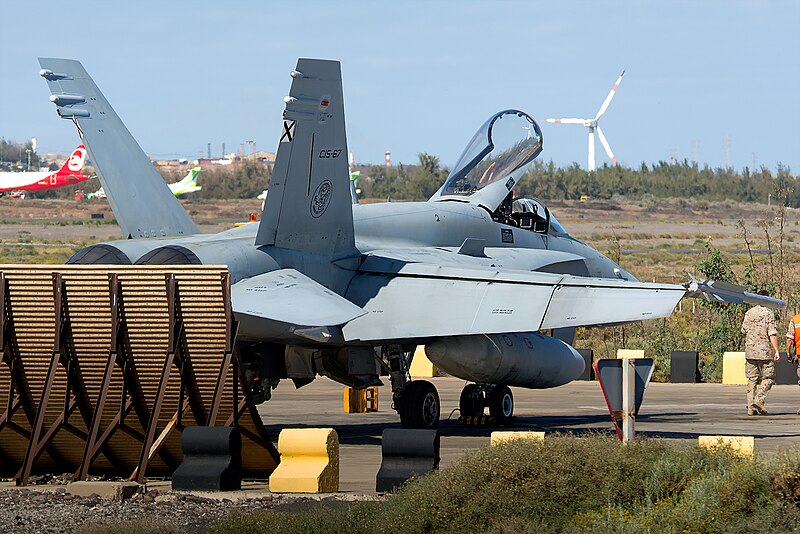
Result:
<point x="500" y="150"/>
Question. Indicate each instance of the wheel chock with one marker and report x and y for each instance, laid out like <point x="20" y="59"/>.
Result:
<point x="309" y="461"/>
<point x="743" y="446"/>
<point x="360" y="400"/>
<point x="504" y="436"/>
<point x="733" y="368"/>
<point x="477" y="420"/>
<point x="406" y="453"/>
<point x="212" y="459"/>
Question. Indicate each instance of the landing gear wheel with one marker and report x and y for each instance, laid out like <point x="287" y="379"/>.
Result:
<point x="501" y="404"/>
<point x="470" y="403"/>
<point x="419" y="406"/>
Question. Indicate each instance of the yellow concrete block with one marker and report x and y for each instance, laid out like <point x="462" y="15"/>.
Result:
<point x="421" y="366"/>
<point x="504" y="436"/>
<point x="309" y="461"/>
<point x="630" y="353"/>
<point x="733" y="368"/>
<point x="741" y="445"/>
<point x="360" y="400"/>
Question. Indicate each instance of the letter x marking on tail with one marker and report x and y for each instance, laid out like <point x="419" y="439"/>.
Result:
<point x="288" y="131"/>
<point x="78" y="126"/>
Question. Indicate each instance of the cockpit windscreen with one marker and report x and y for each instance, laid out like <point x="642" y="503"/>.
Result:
<point x="505" y="144"/>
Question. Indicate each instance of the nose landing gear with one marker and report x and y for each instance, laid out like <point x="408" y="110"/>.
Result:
<point x="475" y="398"/>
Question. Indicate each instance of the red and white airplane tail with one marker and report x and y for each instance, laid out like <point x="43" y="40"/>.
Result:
<point x="74" y="164"/>
<point x="68" y="174"/>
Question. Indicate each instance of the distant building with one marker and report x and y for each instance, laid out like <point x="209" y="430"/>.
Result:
<point x="267" y="158"/>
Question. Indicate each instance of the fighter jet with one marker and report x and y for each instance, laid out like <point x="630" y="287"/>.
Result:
<point x="325" y="287"/>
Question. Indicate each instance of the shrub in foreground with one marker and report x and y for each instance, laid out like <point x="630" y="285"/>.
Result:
<point x="569" y="484"/>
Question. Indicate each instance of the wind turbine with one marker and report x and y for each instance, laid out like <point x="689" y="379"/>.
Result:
<point x="593" y="126"/>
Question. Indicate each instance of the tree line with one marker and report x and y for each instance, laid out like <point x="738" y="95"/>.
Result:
<point x="547" y="181"/>
<point x="544" y="180"/>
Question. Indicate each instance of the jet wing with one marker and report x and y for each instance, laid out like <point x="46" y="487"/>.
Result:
<point x="419" y="300"/>
<point x="288" y="296"/>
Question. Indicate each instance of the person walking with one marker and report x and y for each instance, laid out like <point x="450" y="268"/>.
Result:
<point x="761" y="353"/>
<point x="793" y="344"/>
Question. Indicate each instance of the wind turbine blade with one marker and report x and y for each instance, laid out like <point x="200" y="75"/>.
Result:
<point x="605" y="145"/>
<point x="591" y="150"/>
<point x="566" y="121"/>
<point x="610" y="97"/>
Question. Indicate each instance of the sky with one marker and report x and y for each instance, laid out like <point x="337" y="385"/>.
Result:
<point x="423" y="76"/>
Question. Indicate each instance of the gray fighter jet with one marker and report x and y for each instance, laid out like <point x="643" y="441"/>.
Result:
<point x="323" y="287"/>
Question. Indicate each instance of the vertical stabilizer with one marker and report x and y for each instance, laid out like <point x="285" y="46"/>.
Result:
<point x="309" y="206"/>
<point x="142" y="203"/>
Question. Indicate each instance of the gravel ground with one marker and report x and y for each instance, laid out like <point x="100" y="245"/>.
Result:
<point x="33" y="511"/>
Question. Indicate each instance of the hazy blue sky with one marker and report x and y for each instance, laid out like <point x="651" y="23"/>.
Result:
<point x="422" y="76"/>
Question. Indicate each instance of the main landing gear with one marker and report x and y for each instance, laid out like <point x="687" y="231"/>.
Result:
<point x="498" y="398"/>
<point x="417" y="401"/>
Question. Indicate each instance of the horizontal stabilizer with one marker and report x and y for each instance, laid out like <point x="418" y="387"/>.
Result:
<point x="140" y="199"/>
<point x="291" y="297"/>
<point x="716" y="291"/>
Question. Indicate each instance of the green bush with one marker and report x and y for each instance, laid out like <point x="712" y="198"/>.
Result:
<point x="569" y="484"/>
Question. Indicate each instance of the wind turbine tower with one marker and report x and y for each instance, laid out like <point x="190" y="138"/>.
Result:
<point x="594" y="126"/>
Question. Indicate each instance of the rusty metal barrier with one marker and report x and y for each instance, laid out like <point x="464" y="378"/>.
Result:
<point x="103" y="366"/>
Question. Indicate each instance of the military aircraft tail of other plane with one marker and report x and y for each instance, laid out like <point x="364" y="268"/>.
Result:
<point x="68" y="174"/>
<point x="325" y="287"/>
<point x="144" y="206"/>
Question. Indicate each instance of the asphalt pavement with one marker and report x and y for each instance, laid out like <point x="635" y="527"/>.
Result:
<point x="669" y="411"/>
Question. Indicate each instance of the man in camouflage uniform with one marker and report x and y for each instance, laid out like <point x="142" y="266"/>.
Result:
<point x="761" y="353"/>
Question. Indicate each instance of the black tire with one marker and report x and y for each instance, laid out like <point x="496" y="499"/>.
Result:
<point x="419" y="406"/>
<point x="470" y="403"/>
<point x="501" y="404"/>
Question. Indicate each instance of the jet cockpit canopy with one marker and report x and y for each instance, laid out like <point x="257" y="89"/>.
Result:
<point x="494" y="160"/>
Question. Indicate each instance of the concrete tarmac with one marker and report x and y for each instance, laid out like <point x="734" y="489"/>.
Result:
<point x="669" y="411"/>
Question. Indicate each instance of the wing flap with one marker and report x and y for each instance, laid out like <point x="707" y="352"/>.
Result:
<point x="600" y="304"/>
<point x="420" y="301"/>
